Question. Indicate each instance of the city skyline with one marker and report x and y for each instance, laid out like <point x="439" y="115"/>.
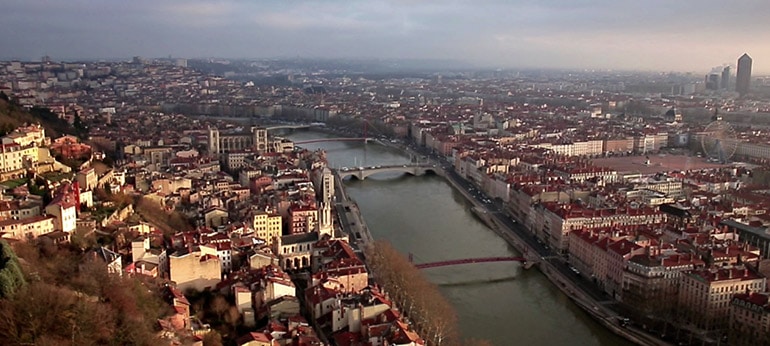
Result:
<point x="600" y="34"/>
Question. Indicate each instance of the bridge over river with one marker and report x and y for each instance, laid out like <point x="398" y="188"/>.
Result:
<point x="362" y="173"/>
<point x="520" y="259"/>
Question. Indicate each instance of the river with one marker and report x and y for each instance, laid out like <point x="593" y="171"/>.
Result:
<point x="499" y="302"/>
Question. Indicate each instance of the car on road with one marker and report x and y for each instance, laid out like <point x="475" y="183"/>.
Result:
<point x="574" y="270"/>
<point x="623" y="321"/>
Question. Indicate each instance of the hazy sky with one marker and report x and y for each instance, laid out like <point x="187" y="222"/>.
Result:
<point x="670" y="35"/>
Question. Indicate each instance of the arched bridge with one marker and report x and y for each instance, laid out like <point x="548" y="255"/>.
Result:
<point x="362" y="172"/>
<point x="470" y="260"/>
<point x="288" y="126"/>
<point x="341" y="139"/>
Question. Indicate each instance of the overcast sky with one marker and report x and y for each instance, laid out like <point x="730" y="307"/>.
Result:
<point x="667" y="35"/>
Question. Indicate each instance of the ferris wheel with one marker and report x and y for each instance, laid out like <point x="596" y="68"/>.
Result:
<point x="719" y="141"/>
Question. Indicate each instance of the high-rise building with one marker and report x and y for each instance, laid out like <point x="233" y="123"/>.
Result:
<point x="712" y="81"/>
<point x="725" y="84"/>
<point x="743" y="78"/>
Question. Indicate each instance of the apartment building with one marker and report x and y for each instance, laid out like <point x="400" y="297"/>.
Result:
<point x="705" y="295"/>
<point x="268" y="227"/>
<point x="28" y="228"/>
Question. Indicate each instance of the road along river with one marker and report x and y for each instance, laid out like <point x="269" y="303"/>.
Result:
<point x="500" y="302"/>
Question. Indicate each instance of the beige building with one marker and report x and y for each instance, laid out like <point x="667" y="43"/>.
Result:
<point x="268" y="227"/>
<point x="64" y="210"/>
<point x="33" y="135"/>
<point x="262" y="257"/>
<point x="194" y="270"/>
<point x="20" y="209"/>
<point x="215" y="217"/>
<point x="705" y="295"/>
<point x="749" y="319"/>
<point x="651" y="280"/>
<point x="87" y="179"/>
<point x="28" y="228"/>
<point x="171" y="185"/>
<point x="751" y="150"/>
<point x="14" y="158"/>
<point x="559" y="220"/>
<point x="623" y="145"/>
<point x="236" y="159"/>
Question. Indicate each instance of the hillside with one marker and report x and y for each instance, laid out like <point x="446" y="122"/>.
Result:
<point x="67" y="297"/>
<point x="12" y="116"/>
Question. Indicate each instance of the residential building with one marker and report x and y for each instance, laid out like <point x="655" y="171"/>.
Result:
<point x="194" y="270"/>
<point x="705" y="295"/>
<point x="64" y="209"/>
<point x="29" y="228"/>
<point x="268" y="227"/>
<point x="749" y="319"/>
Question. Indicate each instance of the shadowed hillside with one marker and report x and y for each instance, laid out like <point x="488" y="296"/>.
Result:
<point x="12" y="116"/>
<point x="66" y="297"/>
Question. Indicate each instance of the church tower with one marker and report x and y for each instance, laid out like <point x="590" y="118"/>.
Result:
<point x="214" y="142"/>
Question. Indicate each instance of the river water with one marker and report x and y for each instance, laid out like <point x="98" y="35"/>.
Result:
<point x="499" y="302"/>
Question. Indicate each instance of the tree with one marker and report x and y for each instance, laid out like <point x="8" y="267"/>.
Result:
<point x="11" y="276"/>
<point x="212" y="338"/>
<point x="218" y="306"/>
<point x="71" y="300"/>
<point x="232" y="316"/>
<point x="80" y="128"/>
<point x="421" y="302"/>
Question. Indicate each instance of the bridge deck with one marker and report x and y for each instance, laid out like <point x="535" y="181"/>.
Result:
<point x="469" y="260"/>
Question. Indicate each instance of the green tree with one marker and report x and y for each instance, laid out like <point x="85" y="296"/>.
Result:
<point x="11" y="276"/>
<point x="80" y="128"/>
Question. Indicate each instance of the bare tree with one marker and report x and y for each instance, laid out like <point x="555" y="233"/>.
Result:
<point x="421" y="301"/>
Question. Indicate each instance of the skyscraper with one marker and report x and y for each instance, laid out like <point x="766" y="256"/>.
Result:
<point x="712" y="81"/>
<point x="743" y="78"/>
<point x="725" y="83"/>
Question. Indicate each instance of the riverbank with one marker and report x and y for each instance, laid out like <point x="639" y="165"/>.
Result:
<point x="513" y="233"/>
<point x="431" y="220"/>
<point x="556" y="272"/>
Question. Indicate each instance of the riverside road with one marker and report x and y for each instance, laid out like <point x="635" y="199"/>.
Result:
<point x="577" y="288"/>
<point x="429" y="218"/>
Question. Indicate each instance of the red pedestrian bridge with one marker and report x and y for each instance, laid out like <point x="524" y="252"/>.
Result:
<point x="470" y="260"/>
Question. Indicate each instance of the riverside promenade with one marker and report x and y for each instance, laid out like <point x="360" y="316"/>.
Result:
<point x="552" y="266"/>
<point x="349" y="216"/>
<point x="592" y="301"/>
